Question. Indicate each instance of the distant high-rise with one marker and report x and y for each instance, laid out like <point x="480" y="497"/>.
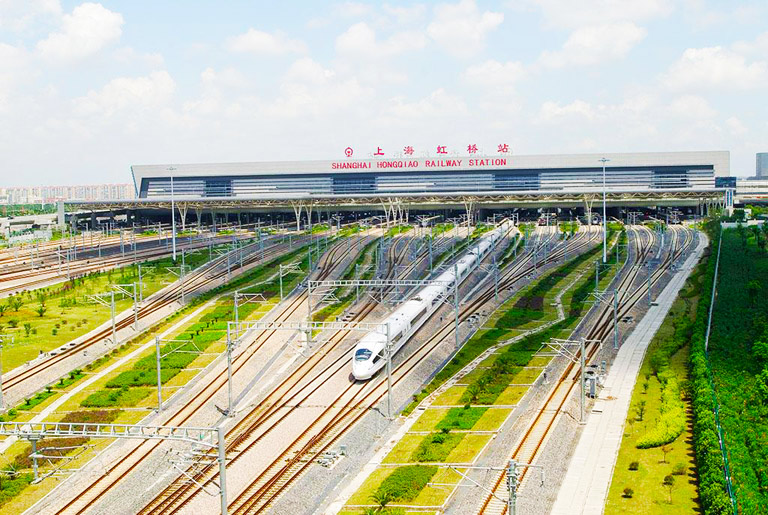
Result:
<point x="50" y="194"/>
<point x="761" y="165"/>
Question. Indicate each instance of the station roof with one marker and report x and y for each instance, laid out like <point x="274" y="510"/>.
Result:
<point x="718" y="159"/>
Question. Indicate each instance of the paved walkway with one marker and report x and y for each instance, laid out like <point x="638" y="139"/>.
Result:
<point x="585" y="486"/>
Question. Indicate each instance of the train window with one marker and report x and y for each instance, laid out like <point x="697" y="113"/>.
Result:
<point x="362" y="355"/>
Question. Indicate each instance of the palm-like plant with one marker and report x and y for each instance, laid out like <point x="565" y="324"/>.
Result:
<point x="382" y="498"/>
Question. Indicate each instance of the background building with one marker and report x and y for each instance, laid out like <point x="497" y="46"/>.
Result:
<point x="761" y="165"/>
<point x="50" y="194"/>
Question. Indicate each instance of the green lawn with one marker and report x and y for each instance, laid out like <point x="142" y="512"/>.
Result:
<point x="68" y="313"/>
<point x="650" y="496"/>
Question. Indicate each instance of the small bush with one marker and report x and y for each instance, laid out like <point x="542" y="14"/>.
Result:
<point x="680" y="469"/>
<point x="634" y="465"/>
<point x="628" y="493"/>
<point x="405" y="483"/>
<point x="436" y="447"/>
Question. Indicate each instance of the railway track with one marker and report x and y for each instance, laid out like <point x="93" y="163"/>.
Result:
<point x="535" y="436"/>
<point x="52" y="272"/>
<point x="356" y="398"/>
<point x="133" y="459"/>
<point x="195" y="281"/>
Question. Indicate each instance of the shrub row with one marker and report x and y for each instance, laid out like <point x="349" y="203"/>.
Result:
<point x="709" y="459"/>
<point x="461" y="418"/>
<point x="672" y="421"/>
<point x="436" y="447"/>
<point x="405" y="483"/>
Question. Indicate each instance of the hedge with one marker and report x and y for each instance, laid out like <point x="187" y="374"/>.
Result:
<point x="672" y="421"/>
<point x="709" y="459"/>
<point x="461" y="418"/>
<point x="405" y="483"/>
<point x="436" y="447"/>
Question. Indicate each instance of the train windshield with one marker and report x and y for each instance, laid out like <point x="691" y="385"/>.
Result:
<point x="362" y="355"/>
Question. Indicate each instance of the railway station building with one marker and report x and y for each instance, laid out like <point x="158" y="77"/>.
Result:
<point x="470" y="183"/>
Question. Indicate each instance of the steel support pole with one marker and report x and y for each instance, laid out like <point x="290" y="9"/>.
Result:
<point x="615" y="319"/>
<point x="430" y="254"/>
<point x="33" y="441"/>
<point x="182" y="274"/>
<point x="357" y="286"/>
<point x="597" y="274"/>
<point x="605" y="218"/>
<point x="173" y="217"/>
<point x="237" y="314"/>
<point x="229" y="374"/>
<point x="649" y="287"/>
<point x="389" y="374"/>
<point x="112" y="309"/>
<point x="456" y="303"/>
<point x="512" y="487"/>
<point x="309" y="300"/>
<point x="582" y="416"/>
<point x="135" y="310"/>
<point x="222" y="459"/>
<point x="141" y="285"/>
<point x="159" y="381"/>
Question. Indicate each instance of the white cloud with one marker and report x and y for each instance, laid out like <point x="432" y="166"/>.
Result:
<point x="359" y="41"/>
<point x="595" y="44"/>
<point x="259" y="42"/>
<point x="691" y="106"/>
<point x="403" y="14"/>
<point x="757" y="47"/>
<point x="494" y="73"/>
<point x="308" y="71"/>
<point x="13" y="64"/>
<point x="18" y="15"/>
<point x="735" y="126"/>
<point x="309" y="89"/>
<point x="87" y="30"/>
<point x="553" y="112"/>
<point x="572" y="14"/>
<point x="715" y="68"/>
<point x="461" y="28"/>
<point x="128" y="93"/>
<point x="128" y="55"/>
<point x="439" y="104"/>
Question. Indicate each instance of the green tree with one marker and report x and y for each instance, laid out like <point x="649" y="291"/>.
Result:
<point x="760" y="352"/>
<point x="640" y="410"/>
<point x="666" y="449"/>
<point x="669" y="482"/>
<point x="3" y="309"/>
<point x="27" y="328"/>
<point x="15" y="303"/>
<point x="762" y="385"/>
<point x="41" y="310"/>
<point x="753" y="289"/>
<point x="382" y="498"/>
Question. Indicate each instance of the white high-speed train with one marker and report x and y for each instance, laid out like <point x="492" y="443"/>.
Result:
<point x="369" y="355"/>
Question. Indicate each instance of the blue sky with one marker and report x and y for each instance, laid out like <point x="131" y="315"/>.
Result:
<point x="87" y="89"/>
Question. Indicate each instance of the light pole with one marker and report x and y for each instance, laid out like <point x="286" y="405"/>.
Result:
<point x="605" y="219"/>
<point x="173" y="215"/>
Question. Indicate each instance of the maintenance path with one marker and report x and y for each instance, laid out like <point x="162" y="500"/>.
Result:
<point x="585" y="486"/>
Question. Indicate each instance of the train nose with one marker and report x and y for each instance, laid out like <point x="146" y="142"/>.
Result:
<point x="361" y="369"/>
